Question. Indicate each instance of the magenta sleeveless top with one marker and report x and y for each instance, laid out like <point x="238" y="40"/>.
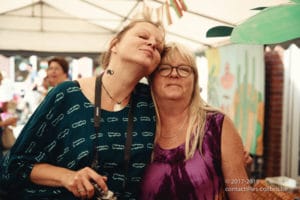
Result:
<point x="200" y="177"/>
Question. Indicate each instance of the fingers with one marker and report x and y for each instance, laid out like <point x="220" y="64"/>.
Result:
<point x="81" y="192"/>
<point x="80" y="182"/>
<point x="247" y="158"/>
<point x="101" y="182"/>
<point x="88" y="188"/>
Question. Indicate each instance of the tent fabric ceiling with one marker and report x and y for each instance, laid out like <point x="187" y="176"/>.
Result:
<point x="88" y="25"/>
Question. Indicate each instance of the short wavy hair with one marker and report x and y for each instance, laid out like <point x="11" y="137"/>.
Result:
<point x="62" y="62"/>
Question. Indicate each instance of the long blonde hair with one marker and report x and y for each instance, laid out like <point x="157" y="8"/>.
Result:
<point x="198" y="108"/>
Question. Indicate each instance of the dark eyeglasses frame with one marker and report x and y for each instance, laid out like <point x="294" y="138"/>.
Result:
<point x="177" y="70"/>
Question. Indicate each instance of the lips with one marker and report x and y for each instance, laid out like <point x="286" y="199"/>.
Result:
<point x="173" y="84"/>
<point x="147" y="52"/>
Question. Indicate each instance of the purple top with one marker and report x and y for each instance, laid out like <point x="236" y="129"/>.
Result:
<point x="200" y="177"/>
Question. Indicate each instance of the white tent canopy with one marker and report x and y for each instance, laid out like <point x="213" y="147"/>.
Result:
<point x="88" y="25"/>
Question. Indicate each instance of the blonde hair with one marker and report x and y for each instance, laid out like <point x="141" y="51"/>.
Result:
<point x="105" y="57"/>
<point x="198" y="108"/>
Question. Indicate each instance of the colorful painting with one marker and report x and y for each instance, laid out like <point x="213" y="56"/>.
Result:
<point x="236" y="85"/>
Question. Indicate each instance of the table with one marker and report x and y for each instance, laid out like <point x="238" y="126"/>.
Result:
<point x="262" y="190"/>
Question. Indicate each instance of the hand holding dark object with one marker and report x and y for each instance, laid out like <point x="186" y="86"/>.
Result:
<point x="103" y="195"/>
<point x="81" y="183"/>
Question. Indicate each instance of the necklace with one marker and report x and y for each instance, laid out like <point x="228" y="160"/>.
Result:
<point x="118" y="104"/>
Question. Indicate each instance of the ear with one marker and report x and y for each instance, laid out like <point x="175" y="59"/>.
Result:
<point x="113" y="44"/>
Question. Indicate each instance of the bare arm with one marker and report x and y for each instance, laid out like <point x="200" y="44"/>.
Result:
<point x="233" y="163"/>
<point x="9" y="121"/>
<point x="77" y="182"/>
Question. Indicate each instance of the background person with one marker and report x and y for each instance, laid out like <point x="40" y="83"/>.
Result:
<point x="57" y="71"/>
<point x="6" y="120"/>
<point x="61" y="152"/>
<point x="198" y="153"/>
<point x="7" y="137"/>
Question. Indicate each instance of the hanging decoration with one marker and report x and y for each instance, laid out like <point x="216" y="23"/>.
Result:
<point x="156" y="14"/>
<point x="179" y="6"/>
<point x="147" y="11"/>
<point x="176" y="7"/>
<point x="152" y="13"/>
<point x="271" y="25"/>
<point x="168" y="14"/>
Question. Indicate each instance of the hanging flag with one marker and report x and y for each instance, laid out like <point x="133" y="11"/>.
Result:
<point x="152" y="13"/>
<point x="168" y="14"/>
<point x="159" y="11"/>
<point x="147" y="12"/>
<point x="183" y="5"/>
<point x="176" y="7"/>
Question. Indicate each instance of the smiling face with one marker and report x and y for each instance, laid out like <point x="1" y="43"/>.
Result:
<point x="140" y="45"/>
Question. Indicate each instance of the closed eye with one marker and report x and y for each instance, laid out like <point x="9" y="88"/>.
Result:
<point x="164" y="67"/>
<point x="143" y="37"/>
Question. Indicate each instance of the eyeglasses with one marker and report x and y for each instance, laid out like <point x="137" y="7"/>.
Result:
<point x="183" y="70"/>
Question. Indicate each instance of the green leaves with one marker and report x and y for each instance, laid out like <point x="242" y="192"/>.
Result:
<point x="296" y="1"/>
<point x="219" y="31"/>
<point x="271" y="25"/>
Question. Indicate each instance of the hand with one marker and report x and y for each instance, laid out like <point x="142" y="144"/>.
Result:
<point x="80" y="182"/>
<point x="247" y="158"/>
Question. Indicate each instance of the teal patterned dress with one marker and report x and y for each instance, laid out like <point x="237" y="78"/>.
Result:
<point x="61" y="132"/>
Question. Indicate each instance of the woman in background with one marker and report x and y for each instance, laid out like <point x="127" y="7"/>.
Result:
<point x="5" y="122"/>
<point x="57" y="71"/>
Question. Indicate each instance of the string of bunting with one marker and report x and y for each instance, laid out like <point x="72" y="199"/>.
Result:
<point x="179" y="6"/>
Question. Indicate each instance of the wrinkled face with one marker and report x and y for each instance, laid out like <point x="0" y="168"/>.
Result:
<point x="55" y="74"/>
<point x="173" y="86"/>
<point x="142" y="44"/>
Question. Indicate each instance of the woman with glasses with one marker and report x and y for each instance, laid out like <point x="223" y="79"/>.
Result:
<point x="198" y="153"/>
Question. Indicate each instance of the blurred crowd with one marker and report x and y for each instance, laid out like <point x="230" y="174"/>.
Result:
<point x="17" y="108"/>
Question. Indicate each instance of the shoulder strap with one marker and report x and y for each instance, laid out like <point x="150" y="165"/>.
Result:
<point x="97" y="118"/>
<point x="97" y="112"/>
<point x="128" y="144"/>
<point x="76" y="83"/>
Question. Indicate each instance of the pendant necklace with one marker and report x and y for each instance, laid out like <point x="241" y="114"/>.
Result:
<point x="118" y="104"/>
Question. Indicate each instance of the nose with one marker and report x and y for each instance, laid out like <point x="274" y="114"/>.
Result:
<point x="151" y="42"/>
<point x="173" y="72"/>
